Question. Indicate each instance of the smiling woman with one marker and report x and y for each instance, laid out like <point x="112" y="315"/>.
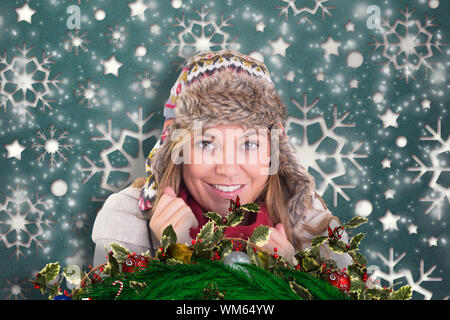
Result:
<point x="242" y="150"/>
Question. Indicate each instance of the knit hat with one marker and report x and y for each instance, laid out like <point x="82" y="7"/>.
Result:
<point x="227" y="87"/>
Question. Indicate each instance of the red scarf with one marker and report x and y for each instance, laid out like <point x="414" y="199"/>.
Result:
<point x="239" y="231"/>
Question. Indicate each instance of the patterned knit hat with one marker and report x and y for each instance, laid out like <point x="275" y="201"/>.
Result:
<point x="227" y="87"/>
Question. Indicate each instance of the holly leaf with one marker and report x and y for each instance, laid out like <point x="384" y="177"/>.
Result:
<point x="250" y="207"/>
<point x="50" y="271"/>
<point x="257" y="258"/>
<point x="404" y="293"/>
<point x="234" y="218"/>
<point x="206" y="233"/>
<point x="301" y="291"/>
<point x="112" y="267"/>
<point x="225" y="247"/>
<point x="359" y="258"/>
<point x="354" y="242"/>
<point x="73" y="274"/>
<point x="214" y="216"/>
<point x="168" y="237"/>
<point x="317" y="241"/>
<point x="120" y="253"/>
<point x="355" y="222"/>
<point x="260" y="235"/>
<point x="337" y="246"/>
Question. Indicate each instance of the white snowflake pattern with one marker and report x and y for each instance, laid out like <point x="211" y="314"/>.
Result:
<point x="441" y="192"/>
<point x="309" y="154"/>
<point x="135" y="167"/>
<point x="52" y="146"/>
<point x="89" y="94"/>
<point x="201" y="35"/>
<point x="318" y="4"/>
<point x="74" y="40"/>
<point x="19" y="78"/>
<point x="411" y="50"/>
<point x="145" y="84"/>
<point x="393" y="275"/>
<point x="117" y="35"/>
<point x="22" y="222"/>
<point x="16" y="288"/>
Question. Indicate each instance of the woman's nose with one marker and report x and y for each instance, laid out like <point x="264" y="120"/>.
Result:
<point x="228" y="164"/>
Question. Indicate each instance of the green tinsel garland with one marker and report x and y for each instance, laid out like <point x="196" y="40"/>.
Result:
<point x="188" y="282"/>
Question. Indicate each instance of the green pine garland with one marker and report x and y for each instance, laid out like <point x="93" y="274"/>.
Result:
<point x="197" y="271"/>
<point x="161" y="281"/>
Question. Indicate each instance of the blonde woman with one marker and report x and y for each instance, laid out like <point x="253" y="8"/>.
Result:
<point x="223" y="136"/>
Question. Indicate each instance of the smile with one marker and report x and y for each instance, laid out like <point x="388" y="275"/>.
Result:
<point x="226" y="190"/>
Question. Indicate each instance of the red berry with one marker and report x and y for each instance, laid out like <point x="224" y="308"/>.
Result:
<point x="199" y="239"/>
<point x="275" y="256"/>
<point x="254" y="249"/>
<point x="275" y="249"/>
<point x="237" y="249"/>
<point x="193" y="242"/>
<point x="224" y="220"/>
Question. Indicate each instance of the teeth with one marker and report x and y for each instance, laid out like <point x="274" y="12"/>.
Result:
<point x="226" y="189"/>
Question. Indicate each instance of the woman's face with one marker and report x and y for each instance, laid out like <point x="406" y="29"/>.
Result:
<point x="227" y="157"/>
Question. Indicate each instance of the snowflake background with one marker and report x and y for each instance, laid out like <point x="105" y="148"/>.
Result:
<point x="81" y="109"/>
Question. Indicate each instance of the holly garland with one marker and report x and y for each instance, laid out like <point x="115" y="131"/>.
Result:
<point x="216" y="267"/>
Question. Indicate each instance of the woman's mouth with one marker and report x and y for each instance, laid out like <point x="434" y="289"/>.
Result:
<point x="229" y="191"/>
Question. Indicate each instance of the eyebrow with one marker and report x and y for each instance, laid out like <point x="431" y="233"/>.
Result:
<point x="248" y="134"/>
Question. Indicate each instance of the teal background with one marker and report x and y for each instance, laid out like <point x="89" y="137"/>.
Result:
<point x="39" y="225"/>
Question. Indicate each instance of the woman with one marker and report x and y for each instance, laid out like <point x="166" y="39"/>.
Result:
<point x="221" y="103"/>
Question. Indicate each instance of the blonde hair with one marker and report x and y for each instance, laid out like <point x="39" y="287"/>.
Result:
<point x="272" y="195"/>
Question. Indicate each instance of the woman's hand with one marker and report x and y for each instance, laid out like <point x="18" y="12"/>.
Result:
<point x="279" y="240"/>
<point x="173" y="210"/>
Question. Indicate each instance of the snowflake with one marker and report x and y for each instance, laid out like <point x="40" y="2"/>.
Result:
<point x="309" y="154"/>
<point x="78" y="223"/>
<point x="412" y="48"/>
<point x="22" y="222"/>
<point x="436" y="168"/>
<point x="405" y="273"/>
<point x="19" y="80"/>
<point x="89" y="94"/>
<point x="144" y="84"/>
<point x="205" y="34"/>
<point x="117" y="35"/>
<point x="75" y="41"/>
<point x="16" y="289"/>
<point x="52" y="146"/>
<point x="134" y="167"/>
<point x="318" y="4"/>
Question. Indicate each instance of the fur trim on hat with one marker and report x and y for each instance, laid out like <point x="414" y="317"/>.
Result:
<point x="228" y="97"/>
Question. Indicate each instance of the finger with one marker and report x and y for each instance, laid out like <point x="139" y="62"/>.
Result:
<point x="188" y="220"/>
<point x="178" y="216"/>
<point x="281" y="230"/>
<point x="163" y="217"/>
<point x="169" y="190"/>
<point x="162" y="203"/>
<point x="276" y="236"/>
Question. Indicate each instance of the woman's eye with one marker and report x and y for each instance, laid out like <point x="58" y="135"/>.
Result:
<point x="205" y="144"/>
<point x="253" y="144"/>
